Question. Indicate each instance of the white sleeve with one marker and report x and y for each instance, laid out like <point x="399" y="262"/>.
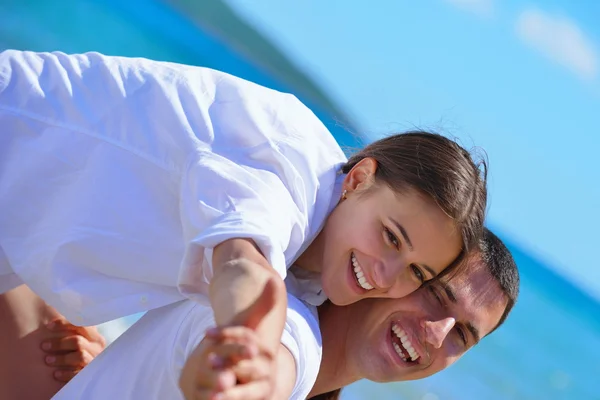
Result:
<point x="223" y="200"/>
<point x="87" y="181"/>
<point x="242" y="183"/>
<point x="8" y="280"/>
<point x="196" y="319"/>
<point x="302" y="337"/>
<point x="153" y="164"/>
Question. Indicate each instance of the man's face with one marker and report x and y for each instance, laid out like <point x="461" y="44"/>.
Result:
<point x="423" y="333"/>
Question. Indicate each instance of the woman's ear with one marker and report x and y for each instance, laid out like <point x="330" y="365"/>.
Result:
<point x="361" y="176"/>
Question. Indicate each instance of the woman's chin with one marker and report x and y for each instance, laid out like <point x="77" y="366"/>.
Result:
<point x="340" y="296"/>
<point x="342" y="288"/>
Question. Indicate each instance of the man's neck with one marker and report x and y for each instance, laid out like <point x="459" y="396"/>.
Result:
<point x="335" y="372"/>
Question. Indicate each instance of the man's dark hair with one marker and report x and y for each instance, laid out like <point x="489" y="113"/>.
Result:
<point x="333" y="395"/>
<point x="501" y="264"/>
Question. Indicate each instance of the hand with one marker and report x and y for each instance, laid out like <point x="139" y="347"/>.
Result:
<point x="231" y="363"/>
<point x="238" y="350"/>
<point x="70" y="348"/>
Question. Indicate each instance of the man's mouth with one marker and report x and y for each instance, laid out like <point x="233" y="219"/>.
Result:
<point x="359" y="274"/>
<point x="403" y="345"/>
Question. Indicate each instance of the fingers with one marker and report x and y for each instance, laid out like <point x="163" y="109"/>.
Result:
<point x="74" y="342"/>
<point x="239" y="349"/>
<point x="91" y="333"/>
<point x="204" y="394"/>
<point x="64" y="344"/>
<point x="251" y="370"/>
<point x="60" y="325"/>
<point x="65" y="375"/>
<point x="238" y="342"/>
<point x="215" y="380"/>
<point x="236" y="334"/>
<point x="259" y="390"/>
<point x="250" y="391"/>
<point x="252" y="374"/>
<point x="230" y="353"/>
<point x="73" y="360"/>
<point x="71" y="348"/>
<point x="198" y="372"/>
<point x="228" y="358"/>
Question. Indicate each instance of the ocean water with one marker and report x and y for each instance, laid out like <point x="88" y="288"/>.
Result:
<point x="548" y="349"/>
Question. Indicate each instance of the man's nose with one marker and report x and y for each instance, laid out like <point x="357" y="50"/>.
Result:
<point x="436" y="331"/>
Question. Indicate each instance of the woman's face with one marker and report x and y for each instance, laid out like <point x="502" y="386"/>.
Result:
<point x="379" y="243"/>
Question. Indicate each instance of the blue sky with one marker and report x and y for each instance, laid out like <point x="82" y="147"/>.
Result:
<point x="518" y="79"/>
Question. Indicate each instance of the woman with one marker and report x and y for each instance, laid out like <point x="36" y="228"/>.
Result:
<point x="133" y="184"/>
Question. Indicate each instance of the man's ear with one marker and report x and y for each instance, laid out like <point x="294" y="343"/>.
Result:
<point x="361" y="176"/>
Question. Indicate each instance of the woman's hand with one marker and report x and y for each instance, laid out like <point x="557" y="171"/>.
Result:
<point x="240" y="366"/>
<point x="70" y="348"/>
<point x="233" y="362"/>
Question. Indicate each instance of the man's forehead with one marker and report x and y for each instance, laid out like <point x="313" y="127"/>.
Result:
<point x="475" y="295"/>
<point x="474" y="279"/>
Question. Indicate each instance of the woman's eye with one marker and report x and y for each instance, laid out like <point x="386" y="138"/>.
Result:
<point x="392" y="238"/>
<point x="418" y="273"/>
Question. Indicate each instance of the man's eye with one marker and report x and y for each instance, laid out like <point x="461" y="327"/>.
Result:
<point x="434" y="292"/>
<point x="462" y="335"/>
<point x="392" y="238"/>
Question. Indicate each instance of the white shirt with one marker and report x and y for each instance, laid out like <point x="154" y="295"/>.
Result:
<point x="8" y="280"/>
<point x="118" y="176"/>
<point x="146" y="361"/>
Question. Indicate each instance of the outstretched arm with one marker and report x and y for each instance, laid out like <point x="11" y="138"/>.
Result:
<point x="244" y="292"/>
<point x="240" y="275"/>
<point x="233" y="366"/>
<point x="234" y="363"/>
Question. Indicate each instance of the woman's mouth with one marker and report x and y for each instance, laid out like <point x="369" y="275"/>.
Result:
<point x="359" y="274"/>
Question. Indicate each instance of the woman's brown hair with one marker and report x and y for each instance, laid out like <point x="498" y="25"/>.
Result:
<point x="436" y="167"/>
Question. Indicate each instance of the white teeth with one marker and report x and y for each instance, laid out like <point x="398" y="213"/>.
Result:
<point x="360" y="276"/>
<point x="405" y="343"/>
<point x="399" y="351"/>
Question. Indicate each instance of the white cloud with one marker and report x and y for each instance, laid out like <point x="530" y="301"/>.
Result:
<point x="560" y="39"/>
<point x="483" y="8"/>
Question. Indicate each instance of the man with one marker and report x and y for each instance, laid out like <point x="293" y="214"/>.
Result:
<point x="440" y="321"/>
<point x="380" y="340"/>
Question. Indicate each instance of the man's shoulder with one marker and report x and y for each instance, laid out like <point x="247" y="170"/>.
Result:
<point x="302" y="338"/>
